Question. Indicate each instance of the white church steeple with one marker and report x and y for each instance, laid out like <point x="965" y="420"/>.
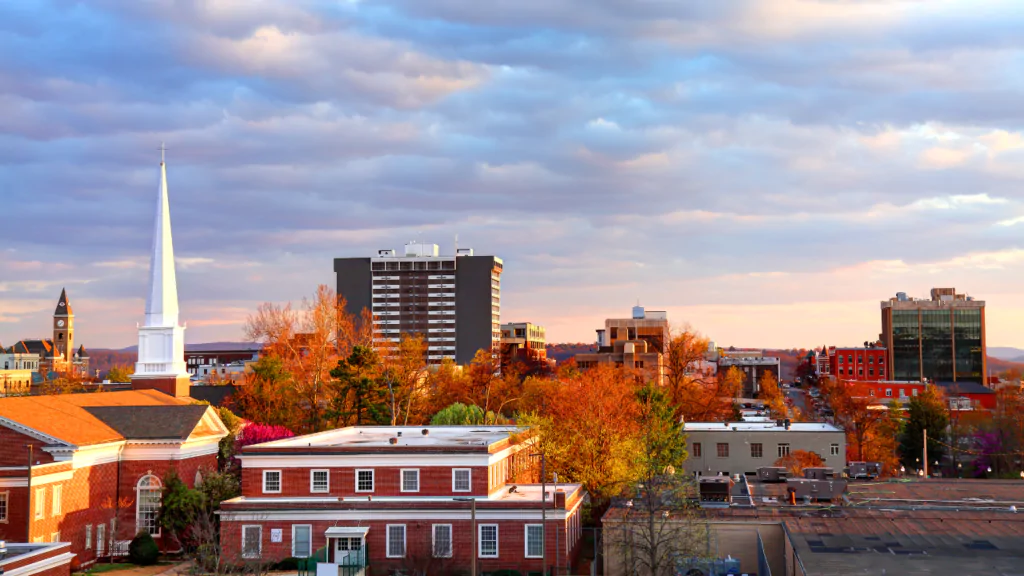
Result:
<point x="161" y="338"/>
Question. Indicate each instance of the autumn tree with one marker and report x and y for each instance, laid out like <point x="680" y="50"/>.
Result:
<point x="308" y="341"/>
<point x="771" y="395"/>
<point x="267" y="396"/>
<point x="854" y="415"/>
<point x="797" y="460"/>
<point x="710" y="399"/>
<point x="684" y="360"/>
<point x="120" y="373"/>
<point x="403" y="370"/>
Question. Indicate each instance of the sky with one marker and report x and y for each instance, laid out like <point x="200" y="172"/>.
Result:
<point x="766" y="171"/>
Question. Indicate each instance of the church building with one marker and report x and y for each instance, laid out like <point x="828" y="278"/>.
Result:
<point x="51" y="355"/>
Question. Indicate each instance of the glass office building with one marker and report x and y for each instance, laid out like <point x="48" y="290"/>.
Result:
<point x="941" y="339"/>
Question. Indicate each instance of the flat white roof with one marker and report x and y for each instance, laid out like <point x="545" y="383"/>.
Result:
<point x="759" y="427"/>
<point x="407" y="436"/>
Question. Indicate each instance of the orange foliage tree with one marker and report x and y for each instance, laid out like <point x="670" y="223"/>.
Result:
<point x="797" y="460"/>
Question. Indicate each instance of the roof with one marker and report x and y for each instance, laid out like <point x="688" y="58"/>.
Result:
<point x="965" y="387"/>
<point x="460" y="438"/>
<point x="39" y="347"/>
<point x="151" y="422"/>
<point x="759" y="427"/>
<point x="63" y="305"/>
<point x="67" y="418"/>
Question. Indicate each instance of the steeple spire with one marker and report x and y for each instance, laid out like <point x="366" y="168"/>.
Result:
<point x="162" y="304"/>
<point x="63" y="306"/>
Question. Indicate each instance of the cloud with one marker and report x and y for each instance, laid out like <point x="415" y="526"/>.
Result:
<point x="733" y="162"/>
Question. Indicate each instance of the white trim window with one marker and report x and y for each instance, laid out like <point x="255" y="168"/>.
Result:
<point x="834" y="449"/>
<point x="364" y="480"/>
<point x="40" y="503"/>
<point x="148" y="493"/>
<point x="488" y="537"/>
<point x="319" y="482"/>
<point x="395" y="540"/>
<point x="101" y="540"/>
<point x="271" y="481"/>
<point x="441" y="540"/>
<point x="88" y="536"/>
<point x="410" y="480"/>
<point x="302" y="540"/>
<point x="534" y="539"/>
<point x="783" y="450"/>
<point x="462" y="479"/>
<point x="4" y="498"/>
<point x="55" y="500"/>
<point x="252" y="541"/>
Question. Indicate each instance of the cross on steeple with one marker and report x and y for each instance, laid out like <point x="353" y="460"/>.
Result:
<point x="162" y="149"/>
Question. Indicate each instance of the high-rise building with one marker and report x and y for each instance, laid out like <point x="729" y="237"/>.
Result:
<point x="454" y="302"/>
<point x="638" y="342"/>
<point x="941" y="339"/>
<point x="524" y="342"/>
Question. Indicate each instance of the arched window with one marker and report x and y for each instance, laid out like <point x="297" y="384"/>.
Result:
<point x="199" y="479"/>
<point x="147" y="504"/>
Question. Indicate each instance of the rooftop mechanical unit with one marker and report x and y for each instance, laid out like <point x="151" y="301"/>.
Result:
<point x="815" y="490"/>
<point x="715" y="489"/>
<point x="864" y="470"/>
<point x="819" y="473"/>
<point x="772" y="474"/>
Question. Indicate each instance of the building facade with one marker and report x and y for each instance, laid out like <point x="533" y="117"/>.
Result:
<point x="863" y="364"/>
<point x="202" y="364"/>
<point x="753" y="368"/>
<point x="940" y="339"/>
<point x="402" y="498"/>
<point x="56" y="355"/>
<point x="98" y="464"/>
<point x="638" y="343"/>
<point x="742" y="447"/>
<point x="524" y="342"/>
<point x="454" y="302"/>
<point x="962" y="396"/>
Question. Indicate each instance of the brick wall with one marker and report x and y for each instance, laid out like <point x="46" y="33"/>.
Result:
<point x="15" y="452"/>
<point x="434" y="481"/>
<point x="511" y="543"/>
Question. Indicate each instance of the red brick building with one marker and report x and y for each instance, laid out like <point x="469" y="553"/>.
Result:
<point x="54" y="559"/>
<point x="862" y="364"/>
<point x="97" y="464"/>
<point x="391" y="498"/>
<point x="959" y="395"/>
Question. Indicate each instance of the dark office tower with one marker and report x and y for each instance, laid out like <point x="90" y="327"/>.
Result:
<point x="454" y="302"/>
<point x="941" y="339"/>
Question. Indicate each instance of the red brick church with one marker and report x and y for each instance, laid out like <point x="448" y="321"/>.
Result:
<point x="88" y="468"/>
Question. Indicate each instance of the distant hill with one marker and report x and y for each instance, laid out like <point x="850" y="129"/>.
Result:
<point x="562" y="352"/>
<point x="1006" y="353"/>
<point x="103" y="359"/>
<point x="202" y="347"/>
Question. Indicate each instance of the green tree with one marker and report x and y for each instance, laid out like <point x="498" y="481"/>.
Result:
<point x="180" y="506"/>
<point x="361" y="397"/>
<point x="459" y="414"/>
<point x="924" y="412"/>
<point x="119" y="373"/>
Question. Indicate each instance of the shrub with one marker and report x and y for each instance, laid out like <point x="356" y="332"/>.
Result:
<point x="143" y="550"/>
<point x="287" y="564"/>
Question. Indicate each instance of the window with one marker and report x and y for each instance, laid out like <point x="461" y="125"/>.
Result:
<point x="252" y="541"/>
<point x="871" y="392"/>
<point x="55" y="503"/>
<point x="841" y="371"/>
<point x="849" y="359"/>
<point x="783" y="450"/>
<point x="271" y="481"/>
<point x="101" y="530"/>
<point x="723" y="450"/>
<point x="534" y="540"/>
<point x="147" y="505"/>
<point x="913" y="392"/>
<point x="840" y="359"/>
<point x="461" y="480"/>
<point x="55" y="537"/>
<point x="88" y="536"/>
<point x="833" y="450"/>
<point x="871" y="371"/>
<point x="364" y="480"/>
<point x="3" y="505"/>
<point x="346" y="544"/>
<point x="410" y="480"/>
<point x="888" y="392"/>
<point x="697" y="453"/>
<point x="396" y="540"/>
<point x="756" y="450"/>
<point x="302" y="540"/>
<point x="860" y="371"/>
<point x="903" y="393"/>
<point x="871" y="359"/>
<point x="319" y="481"/>
<point x="442" y="540"/>
<point x="40" y="503"/>
<point x="488" y="540"/>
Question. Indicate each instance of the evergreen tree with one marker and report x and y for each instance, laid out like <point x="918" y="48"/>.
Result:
<point x="924" y="412"/>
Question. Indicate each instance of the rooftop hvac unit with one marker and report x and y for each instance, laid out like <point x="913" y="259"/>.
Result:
<point x="864" y="470"/>
<point x="819" y="473"/>
<point x="804" y="488"/>
<point x="715" y="489"/>
<point x="772" y="474"/>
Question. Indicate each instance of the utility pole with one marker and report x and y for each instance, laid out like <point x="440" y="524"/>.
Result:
<point x="925" y="452"/>
<point x="543" y="512"/>
<point x="472" y="518"/>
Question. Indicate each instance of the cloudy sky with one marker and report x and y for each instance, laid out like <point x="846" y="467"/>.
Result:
<point x="765" y="170"/>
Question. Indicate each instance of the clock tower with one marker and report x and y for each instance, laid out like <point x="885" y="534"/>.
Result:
<point x="64" y="329"/>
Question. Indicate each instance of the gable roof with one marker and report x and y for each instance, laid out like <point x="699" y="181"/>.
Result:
<point x="151" y="422"/>
<point x="42" y="348"/>
<point x="67" y="418"/>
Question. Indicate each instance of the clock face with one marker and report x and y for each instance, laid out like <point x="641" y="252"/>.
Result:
<point x="60" y="323"/>
<point x="61" y="304"/>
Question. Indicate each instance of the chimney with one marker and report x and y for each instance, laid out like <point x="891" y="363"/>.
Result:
<point x="559" y="498"/>
<point x="393" y="441"/>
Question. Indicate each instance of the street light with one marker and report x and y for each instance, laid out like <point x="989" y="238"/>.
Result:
<point x="960" y="470"/>
<point x="472" y="516"/>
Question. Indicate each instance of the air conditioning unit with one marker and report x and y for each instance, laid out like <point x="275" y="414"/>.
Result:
<point x="715" y="489"/>
<point x="819" y="473"/>
<point x="864" y="470"/>
<point x="815" y="490"/>
<point x="772" y="474"/>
